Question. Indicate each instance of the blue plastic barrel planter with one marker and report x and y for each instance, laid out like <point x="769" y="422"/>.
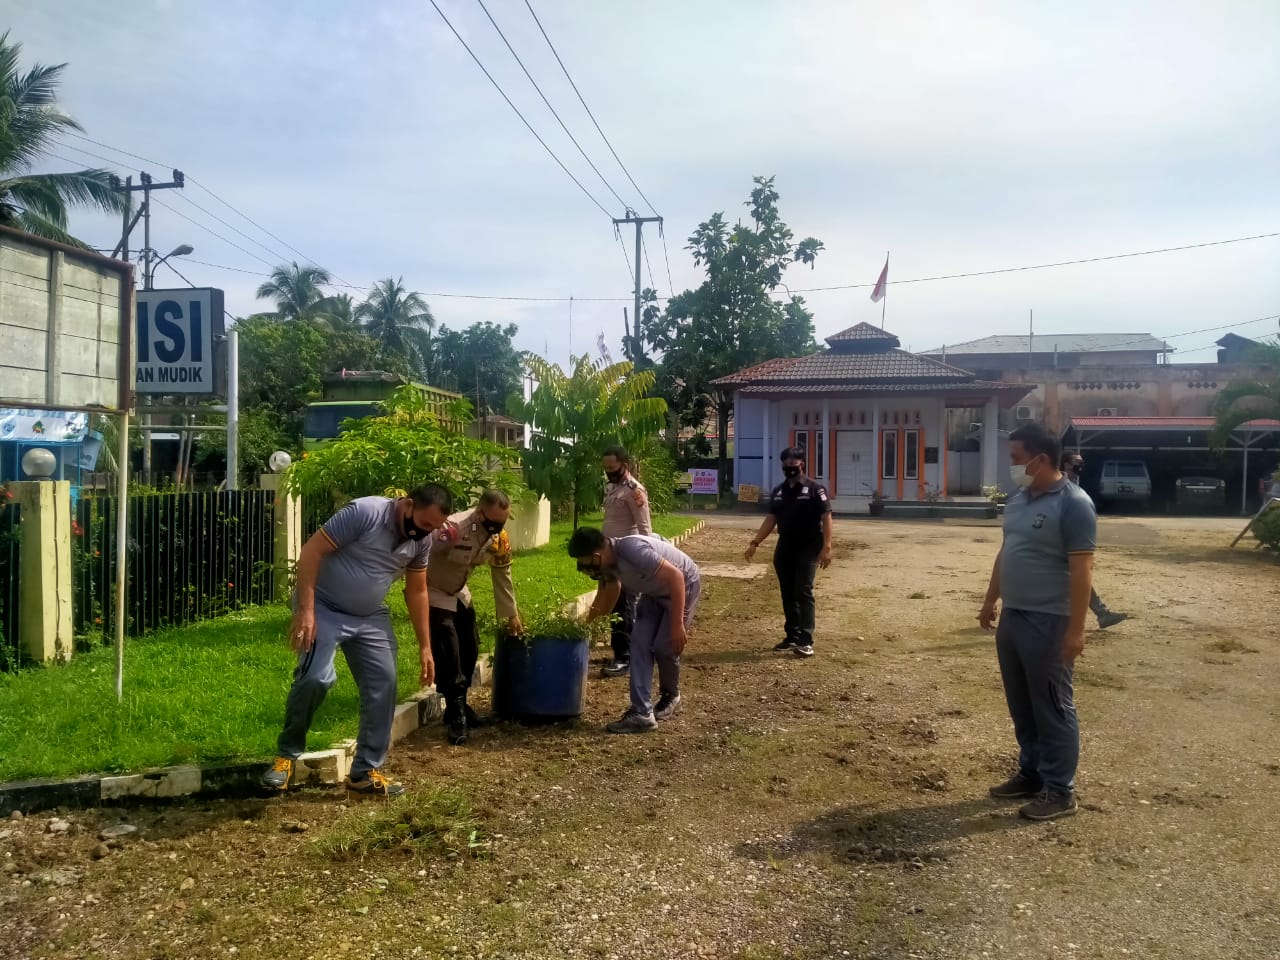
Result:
<point x="539" y="678"/>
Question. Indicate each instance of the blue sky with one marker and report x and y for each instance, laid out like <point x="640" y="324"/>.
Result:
<point x="959" y="136"/>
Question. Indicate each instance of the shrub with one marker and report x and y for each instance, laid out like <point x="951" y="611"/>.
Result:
<point x="1267" y="528"/>
<point x="657" y="471"/>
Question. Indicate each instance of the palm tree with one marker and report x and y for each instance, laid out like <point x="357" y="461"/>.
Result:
<point x="400" y="321"/>
<point x="1243" y="400"/>
<point x="339" y="311"/>
<point x="29" y="120"/>
<point x="296" y="290"/>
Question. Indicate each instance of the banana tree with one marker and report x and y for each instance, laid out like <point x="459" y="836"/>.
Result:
<point x="576" y="415"/>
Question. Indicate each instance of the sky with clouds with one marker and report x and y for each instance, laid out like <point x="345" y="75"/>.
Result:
<point x="961" y="137"/>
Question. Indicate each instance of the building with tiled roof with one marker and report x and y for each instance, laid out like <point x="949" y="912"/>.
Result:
<point x="872" y="417"/>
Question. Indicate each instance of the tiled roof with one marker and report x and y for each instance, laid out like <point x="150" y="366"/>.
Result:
<point x="1162" y="423"/>
<point x="1060" y="342"/>
<point x="843" y="368"/>
<point x="915" y="386"/>
<point x="863" y="332"/>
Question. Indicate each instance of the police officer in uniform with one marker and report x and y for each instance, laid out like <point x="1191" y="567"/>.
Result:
<point x="801" y="511"/>
<point x="626" y="514"/>
<point x="468" y="540"/>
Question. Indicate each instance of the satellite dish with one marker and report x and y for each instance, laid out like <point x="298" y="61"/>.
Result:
<point x="279" y="461"/>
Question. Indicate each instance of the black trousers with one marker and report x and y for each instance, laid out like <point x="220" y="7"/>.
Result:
<point x="620" y="636"/>
<point x="796" y="567"/>
<point x="455" y="647"/>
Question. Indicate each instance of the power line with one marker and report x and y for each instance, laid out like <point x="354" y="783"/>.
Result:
<point x="1044" y="266"/>
<point x="608" y="186"/>
<point x="671" y="285"/>
<point x="550" y="152"/>
<point x="241" y="213"/>
<point x="212" y="232"/>
<point x="648" y="266"/>
<point x="210" y="213"/>
<point x="625" y="256"/>
<point x="195" y="182"/>
<point x="588" y="109"/>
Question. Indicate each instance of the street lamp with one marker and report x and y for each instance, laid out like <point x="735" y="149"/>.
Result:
<point x="182" y="250"/>
<point x="39" y="463"/>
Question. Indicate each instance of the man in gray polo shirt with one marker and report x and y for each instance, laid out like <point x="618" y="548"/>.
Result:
<point x="1043" y="578"/>
<point x="668" y="583"/>
<point x="344" y="573"/>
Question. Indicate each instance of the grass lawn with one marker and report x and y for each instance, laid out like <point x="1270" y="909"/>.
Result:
<point x="215" y="690"/>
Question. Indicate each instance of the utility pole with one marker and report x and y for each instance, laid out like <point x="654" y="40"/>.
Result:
<point x="145" y="186"/>
<point x="639" y="222"/>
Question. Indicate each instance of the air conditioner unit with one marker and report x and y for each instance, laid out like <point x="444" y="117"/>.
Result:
<point x="1023" y="413"/>
<point x="1108" y="412"/>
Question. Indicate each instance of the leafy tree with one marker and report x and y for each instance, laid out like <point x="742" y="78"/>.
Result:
<point x="282" y="366"/>
<point x="388" y="455"/>
<point x="733" y="319"/>
<point x="1250" y="399"/>
<point x="574" y="417"/>
<point x="481" y="362"/>
<point x="401" y="322"/>
<point x="29" y="121"/>
<point x="297" y="291"/>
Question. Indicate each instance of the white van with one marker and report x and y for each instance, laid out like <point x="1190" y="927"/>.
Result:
<point x="1125" y="481"/>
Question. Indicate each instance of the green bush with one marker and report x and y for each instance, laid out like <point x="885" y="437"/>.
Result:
<point x="657" y="471"/>
<point x="1267" y="528"/>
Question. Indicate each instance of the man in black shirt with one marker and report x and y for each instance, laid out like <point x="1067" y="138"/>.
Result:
<point x="801" y="511"/>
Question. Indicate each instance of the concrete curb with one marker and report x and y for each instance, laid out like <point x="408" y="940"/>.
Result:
<point x="321" y="767"/>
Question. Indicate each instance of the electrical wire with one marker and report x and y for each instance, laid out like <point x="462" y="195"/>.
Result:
<point x="193" y="181"/>
<point x="648" y="266"/>
<point x="581" y="100"/>
<point x="502" y="92"/>
<point x="233" y="227"/>
<point x="1044" y="266"/>
<point x="608" y="186"/>
<point x="671" y="285"/>
<point x="212" y="232"/>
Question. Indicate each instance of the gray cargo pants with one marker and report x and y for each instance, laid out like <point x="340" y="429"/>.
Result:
<point x="369" y="644"/>
<point x="1037" y="687"/>
<point x="650" y="642"/>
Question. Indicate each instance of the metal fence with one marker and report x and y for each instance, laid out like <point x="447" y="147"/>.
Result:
<point x="191" y="556"/>
<point x="10" y="558"/>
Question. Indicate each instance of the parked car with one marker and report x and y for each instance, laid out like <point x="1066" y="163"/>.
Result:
<point x="1200" y="492"/>
<point x="1125" y="481"/>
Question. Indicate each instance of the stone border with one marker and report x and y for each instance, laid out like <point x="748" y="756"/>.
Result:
<point x="326" y="767"/>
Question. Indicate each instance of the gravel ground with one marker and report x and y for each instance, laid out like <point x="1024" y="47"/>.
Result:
<point x="824" y="808"/>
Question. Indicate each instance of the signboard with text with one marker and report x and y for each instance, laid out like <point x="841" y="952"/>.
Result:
<point x="704" y="481"/>
<point x="177" y="330"/>
<point x="748" y="493"/>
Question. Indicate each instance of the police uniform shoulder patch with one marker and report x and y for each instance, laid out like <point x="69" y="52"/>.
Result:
<point x="822" y="493"/>
<point x="500" y="547"/>
<point x="447" y="533"/>
<point x="638" y="494"/>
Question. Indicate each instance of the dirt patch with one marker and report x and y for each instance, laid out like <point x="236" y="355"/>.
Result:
<point x="795" y="809"/>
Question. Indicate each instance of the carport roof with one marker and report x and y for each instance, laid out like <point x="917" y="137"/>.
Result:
<point x="1147" y="424"/>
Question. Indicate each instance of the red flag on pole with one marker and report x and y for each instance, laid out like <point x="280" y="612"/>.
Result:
<point x="882" y="284"/>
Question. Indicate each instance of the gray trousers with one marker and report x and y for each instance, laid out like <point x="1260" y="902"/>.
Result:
<point x="369" y="644"/>
<point x="1037" y="687"/>
<point x="650" y="643"/>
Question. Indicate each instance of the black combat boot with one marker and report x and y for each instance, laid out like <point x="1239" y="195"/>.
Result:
<point x="455" y="721"/>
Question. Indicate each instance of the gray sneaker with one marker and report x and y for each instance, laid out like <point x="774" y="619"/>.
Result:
<point x="1049" y="805"/>
<point x="632" y="722"/>
<point x="666" y="707"/>
<point x="278" y="777"/>
<point x="803" y="650"/>
<point x="1109" y="618"/>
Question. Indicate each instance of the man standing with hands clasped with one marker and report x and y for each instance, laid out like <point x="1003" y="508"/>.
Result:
<point x="344" y="572"/>
<point x="801" y="511"/>
<point x="1043" y="578"/>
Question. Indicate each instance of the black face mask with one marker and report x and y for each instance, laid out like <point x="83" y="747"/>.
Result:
<point x="615" y="476"/>
<point x="791" y="472"/>
<point x="492" y="527"/>
<point x="591" y="569"/>
<point x="412" y="530"/>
